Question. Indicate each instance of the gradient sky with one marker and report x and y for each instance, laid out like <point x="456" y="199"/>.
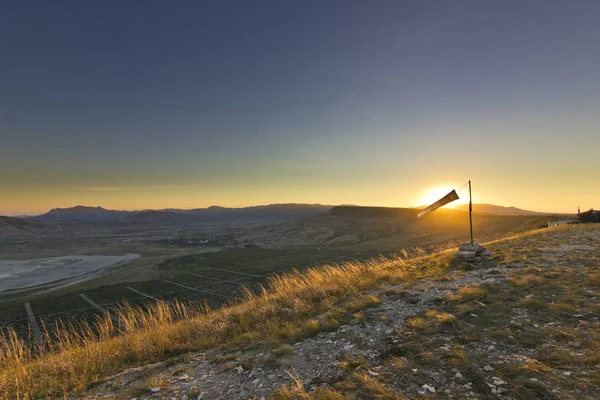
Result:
<point x="157" y="104"/>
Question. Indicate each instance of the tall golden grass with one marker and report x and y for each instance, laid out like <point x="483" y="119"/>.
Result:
<point x="76" y="356"/>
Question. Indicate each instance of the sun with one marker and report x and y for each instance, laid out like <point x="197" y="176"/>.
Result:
<point x="432" y="194"/>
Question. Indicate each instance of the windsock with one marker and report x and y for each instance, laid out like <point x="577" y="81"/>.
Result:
<point x="450" y="197"/>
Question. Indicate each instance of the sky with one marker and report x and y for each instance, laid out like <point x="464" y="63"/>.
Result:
<point x="157" y="104"/>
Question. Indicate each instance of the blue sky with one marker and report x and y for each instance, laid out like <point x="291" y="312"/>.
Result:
<point x="187" y="104"/>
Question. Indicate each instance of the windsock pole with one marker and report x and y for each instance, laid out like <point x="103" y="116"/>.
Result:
<point x="470" y="212"/>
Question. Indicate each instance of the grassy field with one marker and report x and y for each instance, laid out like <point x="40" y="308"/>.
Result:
<point x="399" y="234"/>
<point x="166" y="330"/>
<point x="285" y="311"/>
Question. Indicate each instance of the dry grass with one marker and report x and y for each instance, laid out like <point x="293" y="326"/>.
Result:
<point x="285" y="310"/>
<point x="528" y="281"/>
<point x="469" y="293"/>
<point x="291" y="307"/>
<point x="296" y="391"/>
<point x="531" y="315"/>
<point x="367" y="387"/>
<point x="544" y="314"/>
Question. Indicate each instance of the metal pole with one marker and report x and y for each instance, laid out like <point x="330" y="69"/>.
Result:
<point x="470" y="212"/>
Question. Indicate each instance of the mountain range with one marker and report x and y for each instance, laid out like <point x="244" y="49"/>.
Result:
<point x="216" y="214"/>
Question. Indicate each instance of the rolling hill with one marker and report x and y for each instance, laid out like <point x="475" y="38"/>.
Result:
<point x="380" y="227"/>
<point x="19" y="227"/>
<point x="81" y="214"/>
<point x="493" y="209"/>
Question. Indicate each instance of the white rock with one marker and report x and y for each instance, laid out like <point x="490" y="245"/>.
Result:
<point x="458" y="375"/>
<point x="155" y="390"/>
<point x="183" y="377"/>
<point x="567" y="373"/>
<point x="348" y="347"/>
<point x="239" y="369"/>
<point x="184" y="397"/>
<point x="428" y="388"/>
<point x="254" y="382"/>
<point x="445" y="348"/>
<point x="488" y="368"/>
<point x="373" y="373"/>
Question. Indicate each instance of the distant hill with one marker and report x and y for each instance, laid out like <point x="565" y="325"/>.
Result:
<point x="214" y="214"/>
<point x="493" y="209"/>
<point x="10" y="226"/>
<point x="255" y="214"/>
<point x="267" y="213"/>
<point x="82" y="214"/>
<point x="158" y="218"/>
<point x="385" y="228"/>
<point x="371" y="212"/>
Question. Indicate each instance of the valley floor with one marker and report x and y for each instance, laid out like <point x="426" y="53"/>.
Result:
<point x="524" y="326"/>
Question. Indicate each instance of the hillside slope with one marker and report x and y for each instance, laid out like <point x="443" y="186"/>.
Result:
<point x="483" y="208"/>
<point x="400" y="227"/>
<point x="10" y="226"/>
<point x="522" y="328"/>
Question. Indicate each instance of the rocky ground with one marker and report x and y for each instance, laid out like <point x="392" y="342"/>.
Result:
<point x="524" y="325"/>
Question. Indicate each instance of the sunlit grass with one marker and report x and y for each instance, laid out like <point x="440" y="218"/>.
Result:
<point x="291" y="307"/>
<point x="77" y="356"/>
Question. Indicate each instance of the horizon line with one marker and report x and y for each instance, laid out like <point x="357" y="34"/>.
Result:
<point x="34" y="214"/>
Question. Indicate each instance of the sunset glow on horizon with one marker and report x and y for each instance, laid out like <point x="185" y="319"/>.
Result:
<point x="434" y="193"/>
<point x="134" y="106"/>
